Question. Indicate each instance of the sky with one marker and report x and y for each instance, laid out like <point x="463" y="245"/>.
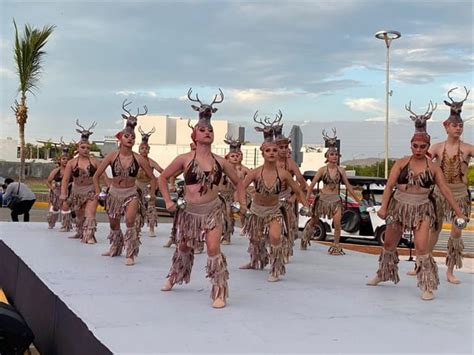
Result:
<point x="316" y="61"/>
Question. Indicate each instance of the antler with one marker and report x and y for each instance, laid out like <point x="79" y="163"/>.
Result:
<point x="124" y="105"/>
<point x="334" y="132"/>
<point x="189" y="124"/>
<point x="77" y="123"/>
<point x="408" y="108"/>
<point x="255" y="115"/>
<point x="197" y="97"/>
<point x="467" y="94"/>
<point x="450" y="95"/>
<point x="140" y="130"/>
<point x="142" y="114"/>
<point x="431" y="108"/>
<point x="221" y="94"/>
<point x="92" y="126"/>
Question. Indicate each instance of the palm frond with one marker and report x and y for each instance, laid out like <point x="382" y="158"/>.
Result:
<point x="29" y="54"/>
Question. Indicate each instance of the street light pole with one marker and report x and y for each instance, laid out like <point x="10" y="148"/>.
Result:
<point x="388" y="37"/>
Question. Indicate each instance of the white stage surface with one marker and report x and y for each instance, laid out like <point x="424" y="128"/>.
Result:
<point x="322" y="304"/>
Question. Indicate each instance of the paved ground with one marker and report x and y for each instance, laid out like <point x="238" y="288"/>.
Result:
<point x="321" y="306"/>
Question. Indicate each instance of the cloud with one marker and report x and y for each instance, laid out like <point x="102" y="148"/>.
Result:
<point x="144" y="93"/>
<point x="7" y="73"/>
<point x="367" y="104"/>
<point x="256" y="95"/>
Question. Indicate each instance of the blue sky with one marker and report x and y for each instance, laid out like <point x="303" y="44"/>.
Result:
<point x="317" y="61"/>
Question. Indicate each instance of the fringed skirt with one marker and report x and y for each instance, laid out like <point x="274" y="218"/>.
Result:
<point x="462" y="198"/>
<point x="325" y="205"/>
<point x="257" y="226"/>
<point x="118" y="200"/>
<point x="53" y="197"/>
<point x="80" y="195"/>
<point x="409" y="209"/>
<point x="193" y="223"/>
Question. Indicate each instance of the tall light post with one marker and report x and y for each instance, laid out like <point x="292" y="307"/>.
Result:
<point x="388" y="37"/>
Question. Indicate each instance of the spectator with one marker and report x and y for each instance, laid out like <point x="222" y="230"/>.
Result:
<point x="27" y="198"/>
<point x="364" y="203"/>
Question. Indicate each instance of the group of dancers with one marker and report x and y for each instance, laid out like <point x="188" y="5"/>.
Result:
<point x="419" y="195"/>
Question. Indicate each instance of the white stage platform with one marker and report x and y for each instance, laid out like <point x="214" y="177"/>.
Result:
<point x="322" y="305"/>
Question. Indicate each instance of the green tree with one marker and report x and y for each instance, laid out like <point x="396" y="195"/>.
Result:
<point x="28" y="55"/>
<point x="470" y="176"/>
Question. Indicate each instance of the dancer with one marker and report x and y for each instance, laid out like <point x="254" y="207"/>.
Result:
<point x="288" y="199"/>
<point x="268" y="222"/>
<point x="122" y="199"/>
<point x="227" y="189"/>
<point x="411" y="208"/>
<point x="54" y="183"/>
<point x="82" y="195"/>
<point x="327" y="202"/>
<point x="147" y="211"/>
<point x="202" y="217"/>
<point x="453" y="157"/>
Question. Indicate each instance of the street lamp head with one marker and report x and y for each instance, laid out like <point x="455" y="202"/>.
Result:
<point x="388" y="36"/>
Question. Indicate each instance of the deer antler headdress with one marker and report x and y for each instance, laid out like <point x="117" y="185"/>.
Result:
<point x="268" y="127"/>
<point x="455" y="108"/>
<point x="85" y="133"/>
<point x="131" y="120"/>
<point x="420" y="122"/>
<point x="330" y="142"/>
<point x="205" y="110"/>
<point x="64" y="148"/>
<point x="234" y="144"/>
<point x="145" y="135"/>
<point x="279" y="136"/>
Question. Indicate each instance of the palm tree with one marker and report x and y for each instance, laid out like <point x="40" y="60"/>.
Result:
<point x="28" y="53"/>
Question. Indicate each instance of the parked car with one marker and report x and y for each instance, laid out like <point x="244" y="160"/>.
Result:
<point x="356" y="222"/>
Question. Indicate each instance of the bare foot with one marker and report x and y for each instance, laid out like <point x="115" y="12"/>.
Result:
<point x="91" y="241"/>
<point x="411" y="272"/>
<point x="374" y="281"/>
<point x="152" y="234"/>
<point x="427" y="295"/>
<point x="129" y="261"/>
<point x="106" y="253"/>
<point x="74" y="237"/>
<point x="167" y="285"/>
<point x="452" y="279"/>
<point x="218" y="303"/>
<point x="225" y="242"/>
<point x="246" y="266"/>
<point x="63" y="229"/>
<point x="272" y="278"/>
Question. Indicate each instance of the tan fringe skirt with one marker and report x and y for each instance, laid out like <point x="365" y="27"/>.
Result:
<point x="118" y="200"/>
<point x="257" y="226"/>
<point x="80" y="195"/>
<point x="325" y="205"/>
<point x="462" y="198"/>
<point x="146" y="211"/>
<point x="193" y="223"/>
<point x="409" y="209"/>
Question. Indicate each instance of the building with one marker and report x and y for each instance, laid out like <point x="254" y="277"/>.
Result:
<point x="8" y="149"/>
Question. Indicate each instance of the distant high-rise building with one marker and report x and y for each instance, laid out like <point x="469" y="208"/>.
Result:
<point x="296" y="136"/>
